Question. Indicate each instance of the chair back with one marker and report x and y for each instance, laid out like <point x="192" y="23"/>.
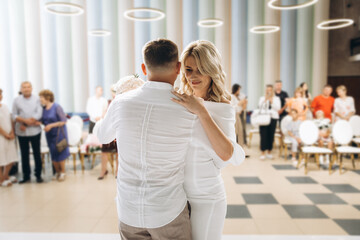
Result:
<point x="355" y="125"/>
<point x="74" y="133"/>
<point x="309" y="132"/>
<point x="77" y="119"/>
<point x="284" y="123"/>
<point x="342" y="132"/>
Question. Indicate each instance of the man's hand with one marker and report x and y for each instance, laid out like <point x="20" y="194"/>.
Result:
<point x="97" y="119"/>
<point x="22" y="128"/>
<point x="298" y="140"/>
<point x="47" y="128"/>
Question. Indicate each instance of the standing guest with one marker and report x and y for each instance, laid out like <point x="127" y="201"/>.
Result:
<point x="307" y="94"/>
<point x="8" y="152"/>
<point x="27" y="112"/>
<point x="324" y="102"/>
<point x="293" y="131"/>
<point x="96" y="107"/>
<point x="344" y="106"/>
<point x="239" y="102"/>
<point x="54" y="120"/>
<point x="269" y="104"/>
<point x="283" y="98"/>
<point x="299" y="103"/>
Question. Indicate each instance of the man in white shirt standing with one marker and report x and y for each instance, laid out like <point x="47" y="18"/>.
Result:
<point x="153" y="135"/>
<point x="96" y="107"/>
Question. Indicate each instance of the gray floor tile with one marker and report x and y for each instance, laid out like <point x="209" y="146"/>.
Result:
<point x="301" y="180"/>
<point x="357" y="171"/>
<point x="304" y="211"/>
<point x="324" y="198"/>
<point x="247" y="180"/>
<point x="341" y="188"/>
<point x="351" y="226"/>
<point x="357" y="207"/>
<point x="284" y="167"/>
<point x="237" y="211"/>
<point x="259" y="198"/>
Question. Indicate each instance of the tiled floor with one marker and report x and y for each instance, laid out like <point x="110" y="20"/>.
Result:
<point x="268" y="197"/>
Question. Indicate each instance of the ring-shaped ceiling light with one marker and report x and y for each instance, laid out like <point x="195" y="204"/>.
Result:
<point x="99" y="33"/>
<point x="271" y="4"/>
<point x="78" y="10"/>
<point x="210" y="23"/>
<point x="341" y="23"/>
<point x="263" y="29"/>
<point x="127" y="14"/>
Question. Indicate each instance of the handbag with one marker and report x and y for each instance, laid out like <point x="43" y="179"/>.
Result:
<point x="60" y="146"/>
<point x="260" y="118"/>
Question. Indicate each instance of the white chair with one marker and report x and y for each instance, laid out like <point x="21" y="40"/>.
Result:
<point x="74" y="137"/>
<point x="285" y="143"/>
<point x="309" y="134"/>
<point x="355" y="125"/>
<point x="343" y="133"/>
<point x="77" y="119"/>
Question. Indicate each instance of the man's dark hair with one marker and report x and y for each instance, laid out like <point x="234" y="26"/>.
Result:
<point x="278" y="81"/>
<point x="328" y="85"/>
<point x="235" y="88"/>
<point x="160" y="53"/>
<point x="269" y="85"/>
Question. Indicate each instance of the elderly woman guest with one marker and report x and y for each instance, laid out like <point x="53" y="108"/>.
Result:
<point x="54" y="120"/>
<point x="299" y="103"/>
<point x="269" y="104"/>
<point x="344" y="106"/>
<point x="8" y="152"/>
<point x="204" y="94"/>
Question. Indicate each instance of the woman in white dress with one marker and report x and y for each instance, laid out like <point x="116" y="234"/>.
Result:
<point x="8" y="154"/>
<point x="204" y="94"/>
<point x="344" y="106"/>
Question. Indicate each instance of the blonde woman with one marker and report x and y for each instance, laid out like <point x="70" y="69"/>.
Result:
<point x="203" y="87"/>
<point x="299" y="103"/>
<point x="344" y="106"/>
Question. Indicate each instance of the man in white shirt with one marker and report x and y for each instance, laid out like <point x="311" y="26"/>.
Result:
<point x="96" y="107"/>
<point x="153" y="135"/>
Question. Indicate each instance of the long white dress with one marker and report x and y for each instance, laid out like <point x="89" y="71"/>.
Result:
<point x="203" y="183"/>
<point x="8" y="153"/>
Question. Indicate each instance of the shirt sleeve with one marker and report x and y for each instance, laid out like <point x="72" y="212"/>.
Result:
<point x="352" y="105"/>
<point x="314" y="105"/>
<point x="61" y="114"/>
<point x="336" y="106"/>
<point x="104" y="129"/>
<point x="88" y="107"/>
<point x="15" y="110"/>
<point x="276" y="105"/>
<point x="38" y="111"/>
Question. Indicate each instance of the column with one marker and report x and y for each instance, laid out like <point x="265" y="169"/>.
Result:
<point x="288" y="47"/>
<point x="190" y="18"/>
<point x="174" y="26"/>
<point x="239" y="34"/>
<point x="158" y="28"/>
<point x="304" y="44"/>
<point x="33" y="44"/>
<point x="320" y="49"/>
<point x="255" y="53"/>
<point x="272" y="48"/>
<point x="223" y="37"/>
<point x="126" y="40"/>
<point x="206" y="10"/>
<point x="79" y="37"/>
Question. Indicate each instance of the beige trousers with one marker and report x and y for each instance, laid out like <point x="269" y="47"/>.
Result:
<point x="178" y="229"/>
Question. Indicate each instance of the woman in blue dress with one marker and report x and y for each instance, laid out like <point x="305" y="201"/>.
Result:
<point x="54" y="120"/>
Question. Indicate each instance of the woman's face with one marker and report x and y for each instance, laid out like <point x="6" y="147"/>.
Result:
<point x="43" y="101"/>
<point x="341" y="93"/>
<point x="269" y="91"/>
<point x="305" y="87"/>
<point x="198" y="82"/>
<point x="298" y="95"/>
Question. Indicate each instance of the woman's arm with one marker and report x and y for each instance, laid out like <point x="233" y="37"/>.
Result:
<point x="219" y="142"/>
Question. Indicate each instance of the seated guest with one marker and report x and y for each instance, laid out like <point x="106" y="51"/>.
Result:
<point x="8" y="152"/>
<point x="293" y="132"/>
<point x="344" y="106"/>
<point x="54" y="120"/>
<point x="324" y="126"/>
<point x="298" y="103"/>
<point x="324" y="102"/>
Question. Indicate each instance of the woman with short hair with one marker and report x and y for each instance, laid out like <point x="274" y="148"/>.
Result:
<point x="344" y="106"/>
<point x="54" y="120"/>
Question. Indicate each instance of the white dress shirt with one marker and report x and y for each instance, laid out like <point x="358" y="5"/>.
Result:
<point x="153" y="136"/>
<point x="272" y="108"/>
<point x="203" y="179"/>
<point x="95" y="107"/>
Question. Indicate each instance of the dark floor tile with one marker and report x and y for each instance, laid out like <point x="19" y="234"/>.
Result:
<point x="341" y="188"/>
<point x="351" y="226"/>
<point x="357" y="207"/>
<point x="324" y="198"/>
<point x="357" y="171"/>
<point x="304" y="211"/>
<point x="259" y="198"/>
<point x="237" y="211"/>
<point x="284" y="167"/>
<point x="247" y="180"/>
<point x="301" y="180"/>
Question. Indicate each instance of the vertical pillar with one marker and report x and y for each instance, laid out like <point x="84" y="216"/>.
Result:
<point x="190" y="18"/>
<point x="206" y="10"/>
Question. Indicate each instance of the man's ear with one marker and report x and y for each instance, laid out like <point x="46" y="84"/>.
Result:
<point x="143" y="68"/>
<point x="178" y="67"/>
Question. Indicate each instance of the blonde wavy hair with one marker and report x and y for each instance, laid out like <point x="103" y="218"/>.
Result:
<point x="208" y="61"/>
